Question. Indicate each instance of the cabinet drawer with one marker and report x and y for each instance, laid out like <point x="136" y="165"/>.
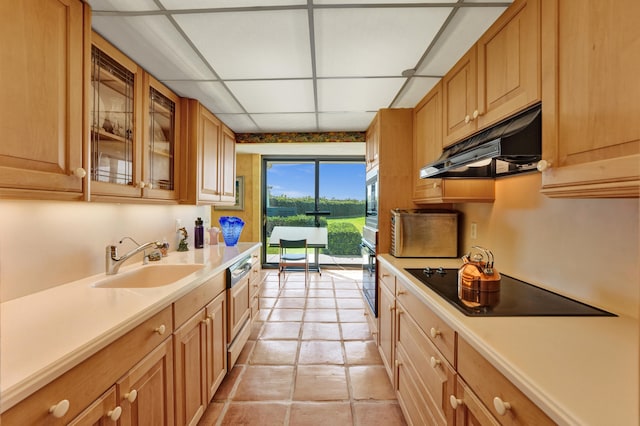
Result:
<point x="489" y="384"/>
<point x="84" y="383"/>
<point x="431" y="372"/>
<point x="185" y="307"/>
<point x="386" y="278"/>
<point x="442" y="336"/>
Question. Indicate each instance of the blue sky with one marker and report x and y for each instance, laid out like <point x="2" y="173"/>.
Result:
<point x="340" y="180"/>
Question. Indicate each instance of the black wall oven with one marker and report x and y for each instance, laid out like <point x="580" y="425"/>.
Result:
<point x="369" y="278"/>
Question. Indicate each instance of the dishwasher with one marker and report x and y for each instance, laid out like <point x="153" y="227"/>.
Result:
<point x="238" y="312"/>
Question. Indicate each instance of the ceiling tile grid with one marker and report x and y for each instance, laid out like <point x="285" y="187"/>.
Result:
<point x="265" y="66"/>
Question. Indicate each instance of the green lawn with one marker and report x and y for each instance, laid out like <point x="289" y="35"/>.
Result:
<point x="358" y="222"/>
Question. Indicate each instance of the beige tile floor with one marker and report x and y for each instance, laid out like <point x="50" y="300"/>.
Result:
<point x="310" y="360"/>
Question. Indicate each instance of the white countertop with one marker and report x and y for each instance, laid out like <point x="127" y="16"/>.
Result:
<point x="44" y="334"/>
<point x="578" y="370"/>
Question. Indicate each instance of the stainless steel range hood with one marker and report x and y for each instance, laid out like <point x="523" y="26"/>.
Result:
<point x="510" y="147"/>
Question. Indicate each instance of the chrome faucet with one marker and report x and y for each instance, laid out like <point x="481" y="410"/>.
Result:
<point x="113" y="262"/>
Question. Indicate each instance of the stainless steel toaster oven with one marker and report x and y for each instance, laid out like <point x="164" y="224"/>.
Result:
<point x="424" y="233"/>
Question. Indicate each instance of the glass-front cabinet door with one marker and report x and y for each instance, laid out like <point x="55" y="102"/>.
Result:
<point x="161" y="108"/>
<point x="115" y="91"/>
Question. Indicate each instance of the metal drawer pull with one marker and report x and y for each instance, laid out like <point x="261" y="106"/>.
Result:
<point x="434" y="362"/>
<point x="434" y="333"/>
<point x="60" y="409"/>
<point x="131" y="395"/>
<point x="455" y="402"/>
<point x="501" y="406"/>
<point x="114" y="414"/>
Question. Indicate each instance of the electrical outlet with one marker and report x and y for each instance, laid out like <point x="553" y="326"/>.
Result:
<point x="474" y="231"/>
<point x="178" y="224"/>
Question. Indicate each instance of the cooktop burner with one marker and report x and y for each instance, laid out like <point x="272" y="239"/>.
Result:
<point x="517" y="298"/>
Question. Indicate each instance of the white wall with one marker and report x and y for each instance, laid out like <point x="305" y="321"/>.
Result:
<point x="44" y="244"/>
<point x="586" y="249"/>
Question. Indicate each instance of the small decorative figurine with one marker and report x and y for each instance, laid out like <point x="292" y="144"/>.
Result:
<point x="182" y="246"/>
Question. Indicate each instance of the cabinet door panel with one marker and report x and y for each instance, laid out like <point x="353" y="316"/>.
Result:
<point x="509" y="63"/>
<point x="239" y="308"/>
<point x="459" y="99"/>
<point x="386" y="315"/>
<point x="152" y="380"/>
<point x="210" y="174"/>
<point x="427" y="139"/>
<point x="190" y="370"/>
<point x="41" y="75"/>
<point x="228" y="166"/>
<point x="216" y="343"/>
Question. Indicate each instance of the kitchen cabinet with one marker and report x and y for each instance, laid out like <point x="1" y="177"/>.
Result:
<point x="387" y="320"/>
<point x="590" y="130"/>
<point x="469" y="410"/>
<point x="393" y="130"/>
<point x="41" y="154"/>
<point x="497" y="77"/>
<point x="208" y="157"/>
<point x="102" y="412"/>
<point x="238" y="323"/>
<point x="161" y="109"/>
<point x="425" y="352"/>
<point x="503" y="400"/>
<point x="191" y="393"/>
<point x="427" y="147"/>
<point x="83" y="385"/>
<point x="255" y="284"/>
<point x="145" y="393"/>
<point x="216" y="343"/>
<point x="134" y="129"/>
<point x="199" y="348"/>
<point x="372" y="145"/>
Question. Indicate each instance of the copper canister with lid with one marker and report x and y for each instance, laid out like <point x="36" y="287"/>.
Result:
<point x="478" y="280"/>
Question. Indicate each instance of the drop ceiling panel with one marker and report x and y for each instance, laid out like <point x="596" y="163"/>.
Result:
<point x="373" y="41"/>
<point x="212" y="94"/>
<point x="466" y="27"/>
<point x="245" y="45"/>
<point x="239" y="123"/>
<point x="414" y="91"/>
<point x="357" y="94"/>
<point x="212" y="4"/>
<point x="283" y="122"/>
<point x="363" y="2"/>
<point x="123" y="5"/>
<point x="272" y="96"/>
<point x="155" y="44"/>
<point x="345" y="121"/>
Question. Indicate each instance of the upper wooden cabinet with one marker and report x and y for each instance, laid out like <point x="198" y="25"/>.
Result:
<point x="427" y="147"/>
<point x="134" y="129"/>
<point x="590" y="93"/>
<point x="208" y="157"/>
<point x="372" y="146"/>
<point x="497" y="77"/>
<point x="42" y="75"/>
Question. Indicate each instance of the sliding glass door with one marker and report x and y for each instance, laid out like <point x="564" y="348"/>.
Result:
<point x="325" y="192"/>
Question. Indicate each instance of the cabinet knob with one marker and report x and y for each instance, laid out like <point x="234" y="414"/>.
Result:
<point x="434" y="333"/>
<point x="467" y="119"/>
<point x="150" y="185"/>
<point x="434" y="362"/>
<point x="114" y="414"/>
<point x="160" y="330"/>
<point x="454" y="402"/>
<point x="543" y="165"/>
<point x="141" y="184"/>
<point x="205" y="321"/>
<point x="131" y="396"/>
<point x="475" y="114"/>
<point x="398" y="363"/>
<point x="391" y="308"/>
<point x="501" y="406"/>
<point x="401" y="292"/>
<point x="212" y="316"/>
<point x="80" y="172"/>
<point x="60" y="409"/>
<point x="436" y="185"/>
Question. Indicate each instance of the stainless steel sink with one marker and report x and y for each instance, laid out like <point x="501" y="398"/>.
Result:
<point x="148" y="276"/>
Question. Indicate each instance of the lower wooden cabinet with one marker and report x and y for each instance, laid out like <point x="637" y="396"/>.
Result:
<point x="216" y="339"/>
<point x="469" y="410"/>
<point x="146" y="392"/>
<point x="191" y="394"/>
<point x="104" y="411"/>
<point x="425" y="380"/>
<point x="386" y="329"/>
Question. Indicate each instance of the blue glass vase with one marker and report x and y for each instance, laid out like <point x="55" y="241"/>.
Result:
<point x="231" y="227"/>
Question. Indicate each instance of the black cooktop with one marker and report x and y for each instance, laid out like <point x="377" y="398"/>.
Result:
<point x="517" y="298"/>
